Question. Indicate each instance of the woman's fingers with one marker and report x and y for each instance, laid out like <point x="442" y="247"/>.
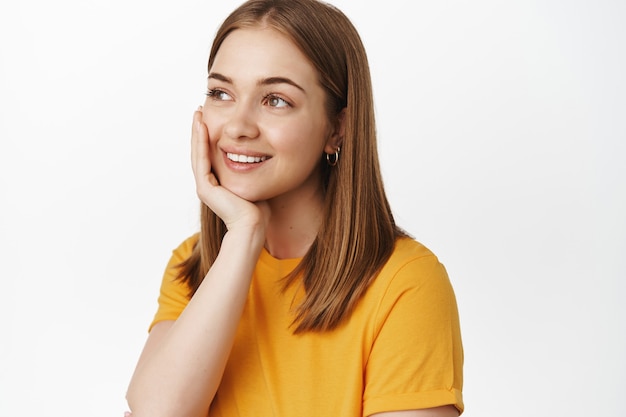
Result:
<point x="200" y="160"/>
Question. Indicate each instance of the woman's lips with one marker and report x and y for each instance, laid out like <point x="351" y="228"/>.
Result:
<point x="245" y="159"/>
<point x="242" y="162"/>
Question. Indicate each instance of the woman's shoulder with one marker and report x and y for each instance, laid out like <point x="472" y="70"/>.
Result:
<point x="412" y="283"/>
<point x="411" y="264"/>
<point x="408" y="250"/>
<point x="184" y="249"/>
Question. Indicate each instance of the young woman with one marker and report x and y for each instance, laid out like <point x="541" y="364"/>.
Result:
<point x="299" y="296"/>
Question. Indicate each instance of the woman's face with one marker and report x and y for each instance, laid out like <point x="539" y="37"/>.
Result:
<point x="266" y="117"/>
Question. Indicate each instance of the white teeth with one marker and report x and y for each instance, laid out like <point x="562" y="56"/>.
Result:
<point x="245" y="159"/>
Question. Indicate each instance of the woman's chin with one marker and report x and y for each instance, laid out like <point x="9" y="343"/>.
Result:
<point x="247" y="193"/>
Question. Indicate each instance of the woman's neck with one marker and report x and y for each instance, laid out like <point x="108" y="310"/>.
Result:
<point x="294" y="224"/>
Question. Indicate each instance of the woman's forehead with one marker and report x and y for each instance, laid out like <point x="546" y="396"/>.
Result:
<point x="262" y="52"/>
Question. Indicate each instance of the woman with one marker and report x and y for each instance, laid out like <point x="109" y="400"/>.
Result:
<point x="299" y="296"/>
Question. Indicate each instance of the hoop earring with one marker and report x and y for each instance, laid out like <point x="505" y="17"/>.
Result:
<point x="333" y="158"/>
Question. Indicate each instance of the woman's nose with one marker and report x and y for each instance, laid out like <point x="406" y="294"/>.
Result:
<point x="242" y="123"/>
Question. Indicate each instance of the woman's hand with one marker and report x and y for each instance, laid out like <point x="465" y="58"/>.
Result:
<point x="234" y="211"/>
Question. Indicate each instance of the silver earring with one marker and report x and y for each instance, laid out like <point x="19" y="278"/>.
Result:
<point x="333" y="158"/>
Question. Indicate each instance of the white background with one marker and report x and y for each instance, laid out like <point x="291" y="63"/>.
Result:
<point x="502" y="138"/>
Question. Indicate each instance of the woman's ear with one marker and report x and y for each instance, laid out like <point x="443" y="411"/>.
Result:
<point x="335" y="140"/>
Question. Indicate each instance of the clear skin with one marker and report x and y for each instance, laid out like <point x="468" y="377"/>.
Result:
<point x="264" y="103"/>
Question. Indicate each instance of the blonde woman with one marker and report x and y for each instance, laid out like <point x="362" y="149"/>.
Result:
<point x="299" y="296"/>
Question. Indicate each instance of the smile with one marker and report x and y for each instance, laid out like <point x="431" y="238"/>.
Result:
<point x="246" y="159"/>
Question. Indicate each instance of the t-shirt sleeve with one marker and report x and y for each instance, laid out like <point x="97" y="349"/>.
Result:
<point x="416" y="359"/>
<point x="174" y="294"/>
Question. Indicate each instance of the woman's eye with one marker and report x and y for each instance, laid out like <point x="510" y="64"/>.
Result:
<point x="218" y="95"/>
<point x="275" y="101"/>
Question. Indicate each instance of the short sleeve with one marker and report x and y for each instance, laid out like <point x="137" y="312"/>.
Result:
<point x="174" y="294"/>
<point x="416" y="359"/>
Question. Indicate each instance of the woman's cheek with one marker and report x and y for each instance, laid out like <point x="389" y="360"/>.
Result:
<point x="211" y="127"/>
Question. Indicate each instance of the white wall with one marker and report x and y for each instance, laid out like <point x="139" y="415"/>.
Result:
<point x="502" y="139"/>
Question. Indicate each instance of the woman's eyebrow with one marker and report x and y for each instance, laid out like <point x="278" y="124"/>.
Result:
<point x="261" y="82"/>
<point x="280" y="80"/>
<point x="220" y="77"/>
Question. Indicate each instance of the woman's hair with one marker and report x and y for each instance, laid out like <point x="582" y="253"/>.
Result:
<point x="358" y="232"/>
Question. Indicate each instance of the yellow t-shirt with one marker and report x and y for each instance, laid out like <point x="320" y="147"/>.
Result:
<point x="399" y="350"/>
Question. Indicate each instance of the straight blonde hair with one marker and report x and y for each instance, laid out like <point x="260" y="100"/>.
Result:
<point x="358" y="231"/>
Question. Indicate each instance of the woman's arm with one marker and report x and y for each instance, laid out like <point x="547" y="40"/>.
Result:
<point x="182" y="363"/>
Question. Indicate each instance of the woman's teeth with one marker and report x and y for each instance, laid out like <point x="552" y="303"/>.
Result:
<point x="245" y="158"/>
